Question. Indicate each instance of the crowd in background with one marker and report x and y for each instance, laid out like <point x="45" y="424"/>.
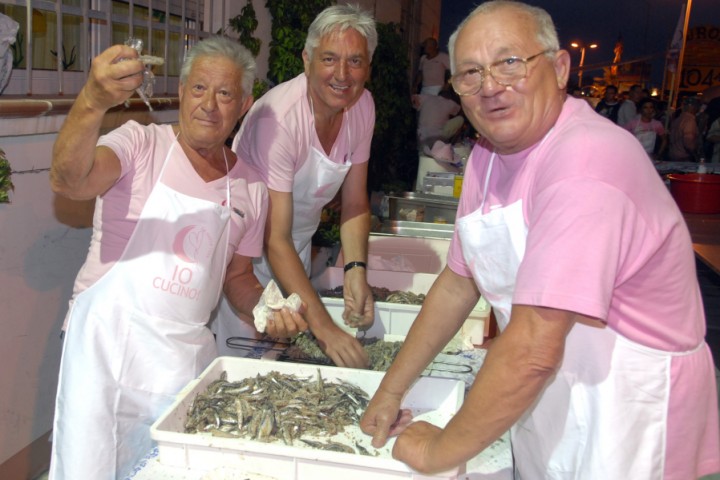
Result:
<point x="690" y="133"/>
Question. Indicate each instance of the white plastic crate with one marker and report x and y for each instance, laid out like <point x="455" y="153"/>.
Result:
<point x="435" y="400"/>
<point x="396" y="318"/>
<point x="409" y="254"/>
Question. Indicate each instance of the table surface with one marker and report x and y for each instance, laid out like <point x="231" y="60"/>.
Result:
<point x="705" y="234"/>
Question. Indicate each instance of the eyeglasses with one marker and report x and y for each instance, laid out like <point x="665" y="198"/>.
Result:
<point x="505" y="72"/>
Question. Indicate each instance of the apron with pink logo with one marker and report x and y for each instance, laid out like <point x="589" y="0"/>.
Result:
<point x="138" y="335"/>
<point x="581" y="424"/>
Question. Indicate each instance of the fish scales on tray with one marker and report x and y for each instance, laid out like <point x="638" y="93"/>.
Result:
<point x="381" y="353"/>
<point x="278" y="407"/>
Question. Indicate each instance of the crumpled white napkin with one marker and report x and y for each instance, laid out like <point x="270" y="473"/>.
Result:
<point x="272" y="300"/>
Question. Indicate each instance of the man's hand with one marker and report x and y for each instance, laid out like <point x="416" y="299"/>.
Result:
<point x="286" y="323"/>
<point x="417" y="447"/>
<point x="342" y="348"/>
<point x="383" y="418"/>
<point x="114" y="76"/>
<point x="359" y="311"/>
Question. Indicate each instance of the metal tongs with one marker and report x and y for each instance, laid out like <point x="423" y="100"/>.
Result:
<point x="257" y="345"/>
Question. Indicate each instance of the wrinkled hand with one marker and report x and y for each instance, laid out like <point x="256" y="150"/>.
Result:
<point x="286" y="323"/>
<point x="359" y="311"/>
<point x="114" y="76"/>
<point x="383" y="418"/>
<point x="342" y="348"/>
<point x="416" y="448"/>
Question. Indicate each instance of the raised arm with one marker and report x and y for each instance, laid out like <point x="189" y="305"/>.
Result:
<point x="79" y="170"/>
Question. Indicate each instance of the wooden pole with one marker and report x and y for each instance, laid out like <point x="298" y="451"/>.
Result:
<point x="678" y="78"/>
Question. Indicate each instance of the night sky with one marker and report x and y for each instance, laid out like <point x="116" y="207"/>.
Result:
<point x="646" y="26"/>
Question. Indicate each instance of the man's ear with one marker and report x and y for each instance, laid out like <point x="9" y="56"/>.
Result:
<point x="562" y="68"/>
<point x="306" y="61"/>
<point x="246" y="104"/>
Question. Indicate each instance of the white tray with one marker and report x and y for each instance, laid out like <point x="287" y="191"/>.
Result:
<point x="435" y="400"/>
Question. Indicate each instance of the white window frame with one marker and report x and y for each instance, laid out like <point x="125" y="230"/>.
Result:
<point x="195" y="23"/>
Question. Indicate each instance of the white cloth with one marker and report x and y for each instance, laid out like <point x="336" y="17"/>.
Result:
<point x="271" y="300"/>
<point x="8" y="30"/>
<point x="138" y="335"/>
<point x="591" y="411"/>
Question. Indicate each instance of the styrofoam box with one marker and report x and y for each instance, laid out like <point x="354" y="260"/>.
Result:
<point x="435" y="400"/>
<point x="414" y="254"/>
<point x="396" y="318"/>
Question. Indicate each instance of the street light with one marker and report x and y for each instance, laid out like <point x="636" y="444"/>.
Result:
<point x="582" y="57"/>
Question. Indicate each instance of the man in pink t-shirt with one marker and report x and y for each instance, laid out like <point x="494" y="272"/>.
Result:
<point x="601" y="370"/>
<point x="310" y="138"/>
<point x="178" y="219"/>
<point x="432" y="68"/>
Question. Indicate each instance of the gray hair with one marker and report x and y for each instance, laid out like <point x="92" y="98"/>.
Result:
<point x="340" y="18"/>
<point x="222" y="47"/>
<point x="546" y="34"/>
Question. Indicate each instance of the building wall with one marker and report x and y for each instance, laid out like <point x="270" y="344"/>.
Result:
<point x="43" y="242"/>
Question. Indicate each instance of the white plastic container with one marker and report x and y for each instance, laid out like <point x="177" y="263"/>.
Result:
<point x="396" y="318"/>
<point x="435" y="400"/>
<point x="409" y="254"/>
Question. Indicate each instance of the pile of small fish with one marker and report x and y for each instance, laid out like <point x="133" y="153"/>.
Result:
<point x="381" y="294"/>
<point x="380" y="352"/>
<point x="276" y="407"/>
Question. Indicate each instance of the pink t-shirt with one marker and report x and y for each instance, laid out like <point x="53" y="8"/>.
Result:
<point x="433" y="69"/>
<point x="646" y="132"/>
<point x="142" y="151"/>
<point x="605" y="239"/>
<point x="278" y="132"/>
<point x="435" y="111"/>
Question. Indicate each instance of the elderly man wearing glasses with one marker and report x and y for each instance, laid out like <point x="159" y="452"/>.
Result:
<point x="601" y="370"/>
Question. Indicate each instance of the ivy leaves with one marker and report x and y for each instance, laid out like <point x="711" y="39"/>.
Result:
<point x="6" y="185"/>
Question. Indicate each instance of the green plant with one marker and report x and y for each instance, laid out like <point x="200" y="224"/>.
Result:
<point x="66" y="63"/>
<point x="6" y="185"/>
<point x="290" y="22"/>
<point x="244" y="25"/>
<point x="393" y="156"/>
<point x="17" y="49"/>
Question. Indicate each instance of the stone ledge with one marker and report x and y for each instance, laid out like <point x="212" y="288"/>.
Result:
<point x="29" y="107"/>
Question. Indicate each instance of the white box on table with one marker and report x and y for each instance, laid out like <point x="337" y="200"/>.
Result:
<point x="414" y="254"/>
<point x="435" y="400"/>
<point x="396" y="318"/>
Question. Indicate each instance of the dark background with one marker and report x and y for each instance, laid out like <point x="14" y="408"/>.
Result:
<point x="646" y="26"/>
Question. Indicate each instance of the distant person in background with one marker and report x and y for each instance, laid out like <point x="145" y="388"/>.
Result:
<point x="647" y="130"/>
<point x="684" y="134"/>
<point x="434" y="64"/>
<point x="440" y="116"/>
<point x="629" y="107"/>
<point x="608" y="107"/>
<point x="711" y="112"/>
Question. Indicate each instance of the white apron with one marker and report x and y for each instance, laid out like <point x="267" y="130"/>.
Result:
<point x="600" y="402"/>
<point x="315" y="184"/>
<point x="138" y="335"/>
